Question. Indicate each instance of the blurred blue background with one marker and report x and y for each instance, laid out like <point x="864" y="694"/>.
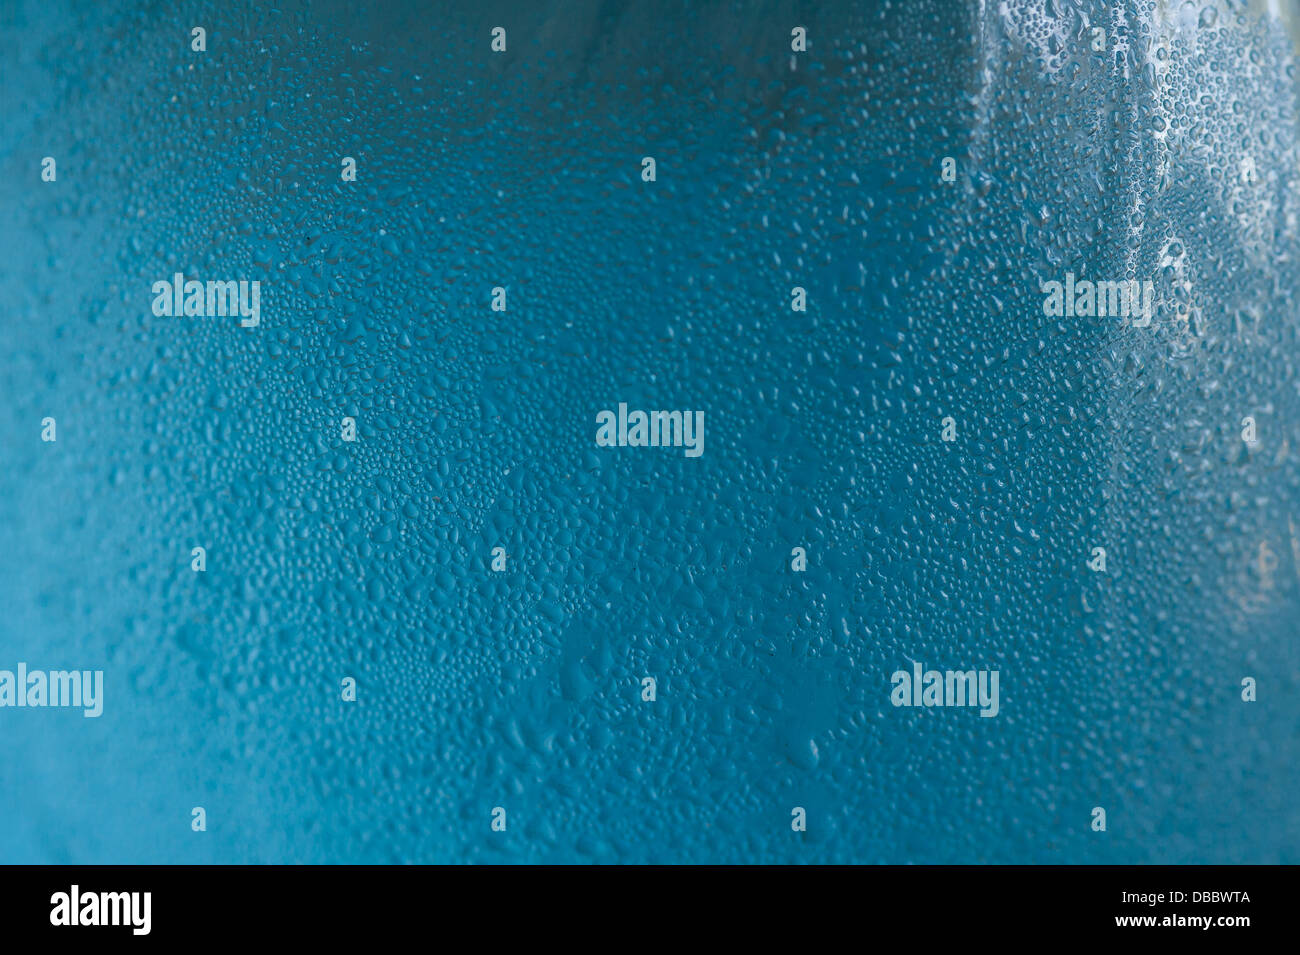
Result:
<point x="521" y="689"/>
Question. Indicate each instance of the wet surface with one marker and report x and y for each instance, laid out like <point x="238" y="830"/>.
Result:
<point x="1169" y="156"/>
